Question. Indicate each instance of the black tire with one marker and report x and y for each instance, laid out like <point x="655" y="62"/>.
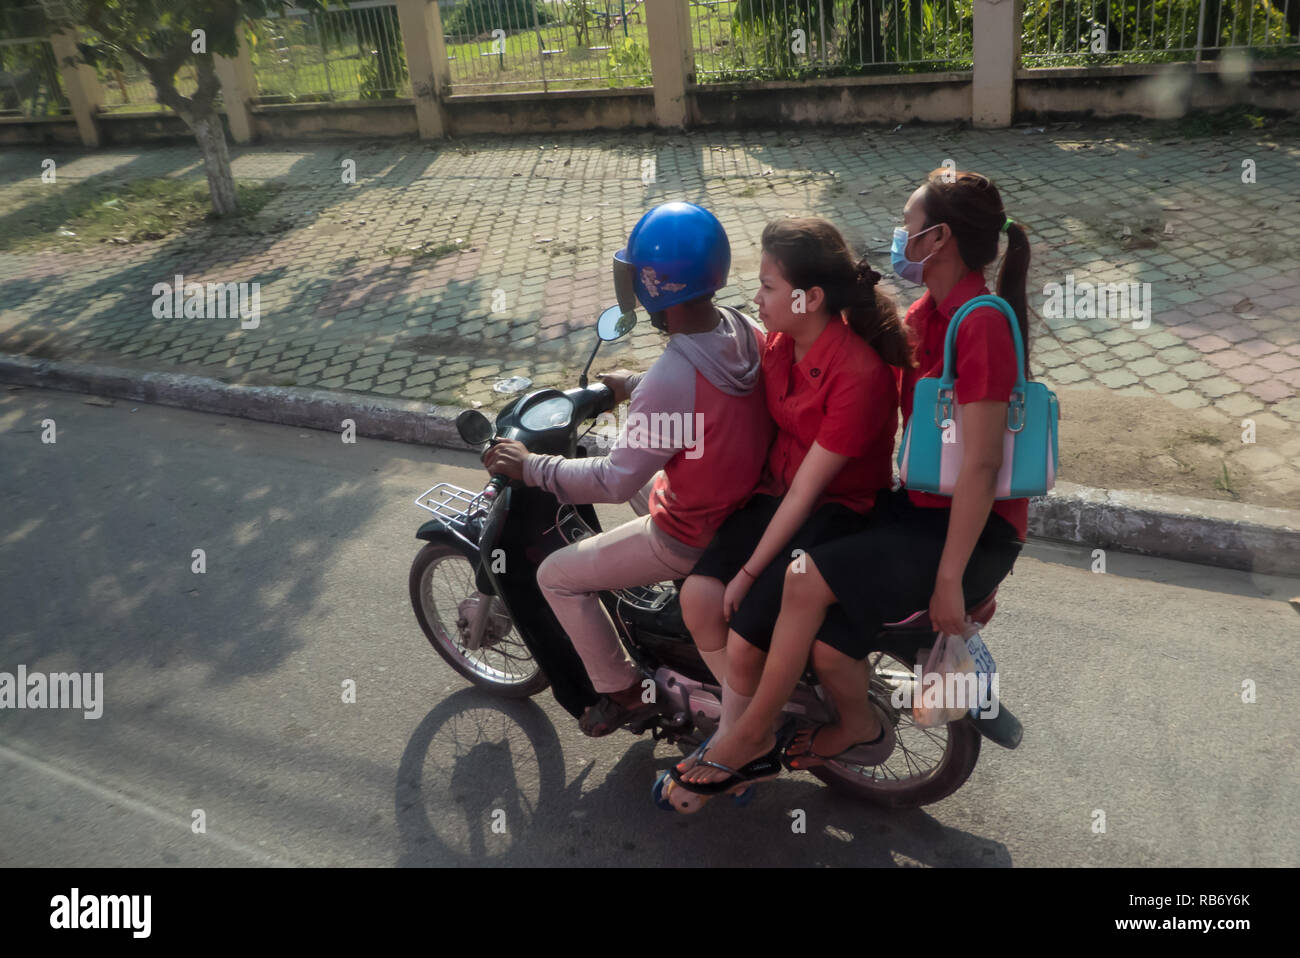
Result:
<point x="476" y="667"/>
<point x="959" y="756"/>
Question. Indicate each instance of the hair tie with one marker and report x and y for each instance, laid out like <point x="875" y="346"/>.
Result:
<point x="1007" y="224"/>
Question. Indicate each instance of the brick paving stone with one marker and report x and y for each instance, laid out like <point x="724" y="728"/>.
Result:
<point x="1147" y="367"/>
<point x="1188" y="399"/>
<point x="1270" y="390"/>
<point x="1101" y="362"/>
<point x="1218" y="387"/>
<point x="1166" y="383"/>
<point x="1117" y="378"/>
<point x="1228" y="359"/>
<point x="1131" y="351"/>
<point x="1279" y="362"/>
<point x="340" y="312"/>
<point x="1195" y="371"/>
<point x="1249" y="375"/>
<point x="1238" y="404"/>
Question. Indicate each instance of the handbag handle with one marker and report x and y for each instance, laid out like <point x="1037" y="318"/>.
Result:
<point x="1016" y="408"/>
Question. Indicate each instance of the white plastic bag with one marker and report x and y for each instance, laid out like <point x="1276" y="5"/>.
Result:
<point x="944" y="698"/>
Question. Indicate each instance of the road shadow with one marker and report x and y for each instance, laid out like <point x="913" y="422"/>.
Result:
<point x="483" y="782"/>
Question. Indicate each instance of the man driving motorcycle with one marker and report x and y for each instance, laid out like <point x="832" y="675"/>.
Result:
<point x="698" y="427"/>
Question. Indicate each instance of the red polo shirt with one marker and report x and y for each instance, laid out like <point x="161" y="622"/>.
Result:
<point x="986" y="368"/>
<point x="841" y="395"/>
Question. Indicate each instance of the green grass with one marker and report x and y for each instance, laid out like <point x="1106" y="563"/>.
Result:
<point x="101" y="211"/>
<point x="519" y="66"/>
<point x="1224" y="483"/>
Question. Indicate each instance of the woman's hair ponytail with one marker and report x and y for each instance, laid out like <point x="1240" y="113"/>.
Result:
<point x="972" y="207"/>
<point x="873" y="315"/>
<point x="1013" y="277"/>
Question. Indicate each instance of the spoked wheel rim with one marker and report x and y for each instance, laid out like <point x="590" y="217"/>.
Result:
<point x="920" y="753"/>
<point x="444" y="584"/>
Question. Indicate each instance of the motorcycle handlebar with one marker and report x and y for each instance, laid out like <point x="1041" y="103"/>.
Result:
<point x="590" y="401"/>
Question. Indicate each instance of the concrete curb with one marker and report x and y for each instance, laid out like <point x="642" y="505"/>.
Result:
<point x="1231" y="535"/>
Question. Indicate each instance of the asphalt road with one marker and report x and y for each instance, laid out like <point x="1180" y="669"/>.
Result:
<point x="223" y="689"/>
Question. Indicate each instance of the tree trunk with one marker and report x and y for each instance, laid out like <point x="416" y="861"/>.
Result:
<point x="216" y="163"/>
<point x="197" y="111"/>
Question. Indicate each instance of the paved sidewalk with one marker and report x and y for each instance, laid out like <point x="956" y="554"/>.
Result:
<point x="346" y="302"/>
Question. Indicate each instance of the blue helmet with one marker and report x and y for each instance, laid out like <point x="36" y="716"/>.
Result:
<point x="677" y="252"/>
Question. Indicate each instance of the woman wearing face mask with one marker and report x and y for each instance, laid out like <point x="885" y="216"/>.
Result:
<point x="834" y="341"/>
<point x="921" y="551"/>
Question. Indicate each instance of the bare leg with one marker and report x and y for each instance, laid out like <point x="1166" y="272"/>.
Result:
<point x="847" y="680"/>
<point x="804" y="601"/>
<point x="701" y="601"/>
<point x="744" y="669"/>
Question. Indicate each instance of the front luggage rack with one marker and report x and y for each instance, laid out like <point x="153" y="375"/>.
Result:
<point x="447" y="501"/>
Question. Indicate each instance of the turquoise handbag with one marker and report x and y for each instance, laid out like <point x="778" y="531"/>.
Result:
<point x="929" y="459"/>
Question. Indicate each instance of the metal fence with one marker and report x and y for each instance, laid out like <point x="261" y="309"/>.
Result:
<point x="29" y="79"/>
<point x="1083" y="32"/>
<point x="127" y="88"/>
<point x="352" y="53"/>
<point x="545" y="44"/>
<point x="795" y="39"/>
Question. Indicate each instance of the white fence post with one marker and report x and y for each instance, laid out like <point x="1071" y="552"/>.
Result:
<point x="426" y="59"/>
<point x="238" y="87"/>
<point x="671" y="58"/>
<point x="996" y="56"/>
<point x="81" y="84"/>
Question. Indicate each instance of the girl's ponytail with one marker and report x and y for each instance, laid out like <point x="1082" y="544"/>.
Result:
<point x="972" y="207"/>
<point x="873" y="315"/>
<point x="1012" y="278"/>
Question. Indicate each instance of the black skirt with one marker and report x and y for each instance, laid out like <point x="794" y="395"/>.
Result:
<point x="735" y="542"/>
<point x="886" y="571"/>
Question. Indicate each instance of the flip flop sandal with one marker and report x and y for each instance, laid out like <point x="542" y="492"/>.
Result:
<point x="696" y="755"/>
<point x="657" y="792"/>
<point x="606" y="716"/>
<point x="673" y="798"/>
<point x="762" y="768"/>
<point x="863" y="753"/>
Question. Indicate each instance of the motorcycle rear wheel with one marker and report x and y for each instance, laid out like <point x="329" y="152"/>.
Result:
<point x="927" y="765"/>
<point x="442" y="576"/>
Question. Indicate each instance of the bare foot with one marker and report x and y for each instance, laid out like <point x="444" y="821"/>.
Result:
<point x="829" y="740"/>
<point x="731" y="750"/>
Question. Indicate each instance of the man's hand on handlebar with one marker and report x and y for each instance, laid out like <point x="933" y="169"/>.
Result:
<point x="617" y="382"/>
<point x="506" y="458"/>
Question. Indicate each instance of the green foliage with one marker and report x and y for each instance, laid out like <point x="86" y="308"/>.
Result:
<point x="1066" y="31"/>
<point x="475" y="17"/>
<point x="848" y="37"/>
<point x="628" y="61"/>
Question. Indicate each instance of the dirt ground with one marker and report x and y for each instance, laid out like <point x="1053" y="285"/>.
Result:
<point x="1145" y="444"/>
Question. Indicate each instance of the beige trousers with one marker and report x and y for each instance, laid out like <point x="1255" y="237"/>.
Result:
<point x="635" y="553"/>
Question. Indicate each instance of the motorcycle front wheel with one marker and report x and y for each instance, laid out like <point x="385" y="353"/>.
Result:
<point x="442" y="586"/>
